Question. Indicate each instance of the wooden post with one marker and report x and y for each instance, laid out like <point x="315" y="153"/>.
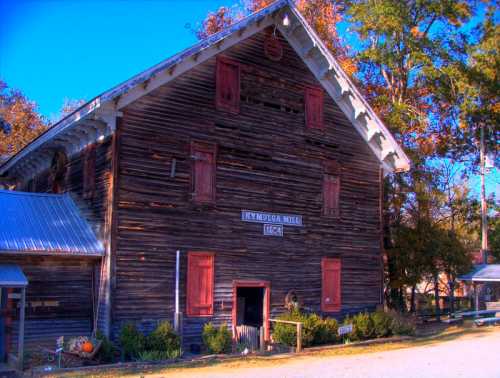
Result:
<point x="476" y="297"/>
<point x="299" y="337"/>
<point x="20" y="346"/>
<point x="262" y="341"/>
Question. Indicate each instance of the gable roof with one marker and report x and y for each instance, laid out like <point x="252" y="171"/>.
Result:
<point x="44" y="224"/>
<point x="96" y="118"/>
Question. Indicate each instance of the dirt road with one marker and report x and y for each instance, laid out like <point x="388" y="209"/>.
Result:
<point x="475" y="356"/>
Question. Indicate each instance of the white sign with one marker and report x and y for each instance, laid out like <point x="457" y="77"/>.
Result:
<point x="274" y="218"/>
<point x="343" y="330"/>
<point x="273" y="229"/>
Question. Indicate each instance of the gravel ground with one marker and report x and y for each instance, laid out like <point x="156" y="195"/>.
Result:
<point x="475" y="356"/>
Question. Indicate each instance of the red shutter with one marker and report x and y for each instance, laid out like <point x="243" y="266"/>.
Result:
<point x="89" y="171"/>
<point x="331" y="195"/>
<point x="227" y="83"/>
<point x="200" y="284"/>
<point x="331" y="287"/>
<point x="204" y="169"/>
<point x="314" y="108"/>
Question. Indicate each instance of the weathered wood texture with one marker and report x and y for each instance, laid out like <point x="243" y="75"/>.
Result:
<point x="94" y="209"/>
<point x="58" y="297"/>
<point x="268" y="161"/>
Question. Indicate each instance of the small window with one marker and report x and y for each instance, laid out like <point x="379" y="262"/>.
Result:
<point x="89" y="158"/>
<point x="331" y="284"/>
<point x="314" y="108"/>
<point x="58" y="169"/>
<point x="227" y="85"/>
<point x="200" y="284"/>
<point x="203" y="172"/>
<point x="331" y="188"/>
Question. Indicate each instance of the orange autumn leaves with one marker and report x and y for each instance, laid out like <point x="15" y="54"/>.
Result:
<point x="20" y="113"/>
<point x="322" y="15"/>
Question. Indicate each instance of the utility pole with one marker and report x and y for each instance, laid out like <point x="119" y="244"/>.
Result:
<point x="484" y="208"/>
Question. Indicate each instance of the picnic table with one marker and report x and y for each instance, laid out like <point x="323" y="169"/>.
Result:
<point x="481" y="317"/>
<point x="475" y="314"/>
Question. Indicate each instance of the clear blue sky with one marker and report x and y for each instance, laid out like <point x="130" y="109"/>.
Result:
<point x="77" y="49"/>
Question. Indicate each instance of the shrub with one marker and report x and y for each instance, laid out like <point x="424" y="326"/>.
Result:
<point x="152" y="355"/>
<point x="163" y="339"/>
<point x="217" y="340"/>
<point x="158" y="355"/>
<point x="107" y="352"/>
<point x="381" y="324"/>
<point x="362" y="327"/>
<point x="132" y="341"/>
<point x="315" y="330"/>
<point x="402" y="325"/>
<point x="326" y="332"/>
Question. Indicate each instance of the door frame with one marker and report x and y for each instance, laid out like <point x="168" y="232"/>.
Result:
<point x="266" y="285"/>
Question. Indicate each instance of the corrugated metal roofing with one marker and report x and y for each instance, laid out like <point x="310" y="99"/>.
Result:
<point x="483" y="273"/>
<point x="38" y="223"/>
<point x="12" y="276"/>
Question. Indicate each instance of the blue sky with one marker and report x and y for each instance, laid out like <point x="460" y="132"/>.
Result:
<point x="77" y="49"/>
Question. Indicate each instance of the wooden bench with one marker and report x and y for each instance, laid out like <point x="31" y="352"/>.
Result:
<point x="486" y="321"/>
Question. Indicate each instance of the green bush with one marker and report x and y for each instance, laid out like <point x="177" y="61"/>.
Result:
<point x="362" y="327"/>
<point x="152" y="355"/>
<point x="326" y="332"/>
<point x="107" y="352"/>
<point x="132" y="341"/>
<point x="163" y="339"/>
<point x="217" y="340"/>
<point x="158" y="355"/>
<point x="315" y="330"/>
<point x="402" y="325"/>
<point x="381" y="324"/>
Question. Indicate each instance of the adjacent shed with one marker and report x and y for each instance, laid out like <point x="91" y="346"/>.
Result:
<point x="45" y="240"/>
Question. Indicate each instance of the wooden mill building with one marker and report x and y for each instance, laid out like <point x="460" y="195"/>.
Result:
<point x="252" y="153"/>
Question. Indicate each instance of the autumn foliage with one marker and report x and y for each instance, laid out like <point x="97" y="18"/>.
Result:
<point x="322" y="15"/>
<point x="23" y="118"/>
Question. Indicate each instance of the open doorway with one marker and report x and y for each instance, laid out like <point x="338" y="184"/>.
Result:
<point x="251" y="305"/>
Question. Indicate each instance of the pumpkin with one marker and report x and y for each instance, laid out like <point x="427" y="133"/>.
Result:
<point x="87" y="347"/>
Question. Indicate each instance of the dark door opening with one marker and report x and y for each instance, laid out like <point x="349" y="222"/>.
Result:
<point x="250" y="306"/>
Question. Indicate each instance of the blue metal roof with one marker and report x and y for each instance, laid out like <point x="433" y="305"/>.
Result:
<point x="12" y="276"/>
<point x="38" y="223"/>
<point x="483" y="273"/>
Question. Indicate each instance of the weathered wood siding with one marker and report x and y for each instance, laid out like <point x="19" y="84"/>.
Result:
<point x="94" y="209"/>
<point x="268" y="161"/>
<point x="58" y="297"/>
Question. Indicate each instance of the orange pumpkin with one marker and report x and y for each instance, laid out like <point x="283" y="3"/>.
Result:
<point x="87" y="347"/>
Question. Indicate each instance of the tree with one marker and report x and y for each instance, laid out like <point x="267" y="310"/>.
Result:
<point x="21" y="115"/>
<point x="322" y="15"/>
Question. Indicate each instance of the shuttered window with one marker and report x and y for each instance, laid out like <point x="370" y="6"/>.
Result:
<point x="89" y="158"/>
<point x="227" y="81"/>
<point x="314" y="108"/>
<point x="203" y="172"/>
<point x="331" y="285"/>
<point x="331" y="195"/>
<point x="200" y="284"/>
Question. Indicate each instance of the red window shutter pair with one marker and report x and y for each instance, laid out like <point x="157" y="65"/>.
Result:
<point x="314" y="108"/>
<point x="331" y="284"/>
<point x="200" y="284"/>
<point x="203" y="173"/>
<point x="227" y="85"/>
<point x="89" y="171"/>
